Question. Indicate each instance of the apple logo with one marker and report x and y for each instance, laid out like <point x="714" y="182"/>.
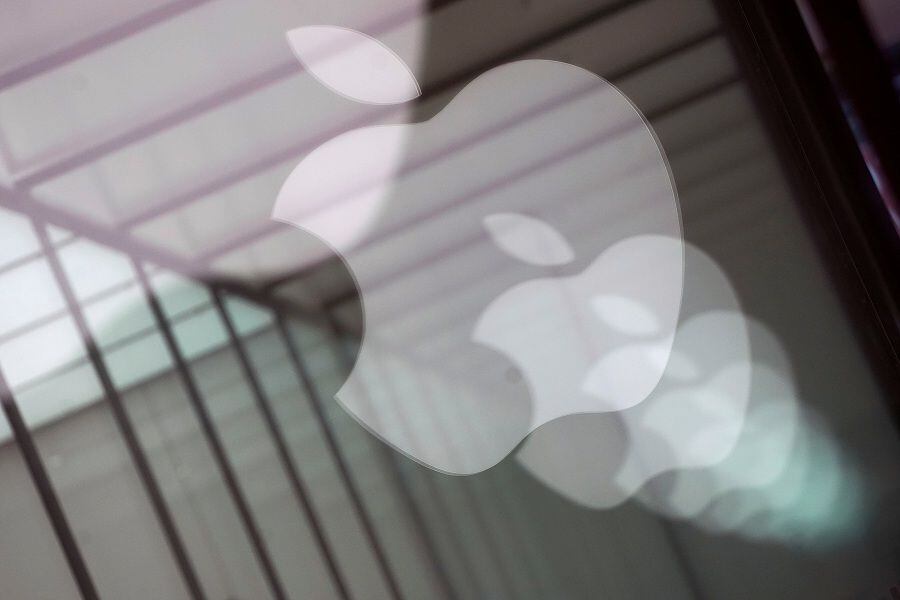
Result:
<point x="574" y="338"/>
<point x="722" y="440"/>
<point x="522" y="248"/>
<point x="693" y="417"/>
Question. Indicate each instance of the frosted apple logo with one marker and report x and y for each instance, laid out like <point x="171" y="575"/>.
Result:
<point x="521" y="250"/>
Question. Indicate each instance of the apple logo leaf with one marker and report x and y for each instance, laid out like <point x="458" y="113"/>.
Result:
<point x="528" y="239"/>
<point x="353" y="64"/>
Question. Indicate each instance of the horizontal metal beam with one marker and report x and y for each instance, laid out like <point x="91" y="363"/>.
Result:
<point x="258" y="165"/>
<point x="23" y="203"/>
<point x="217" y="99"/>
<point x="267" y="228"/>
<point x="96" y="42"/>
<point x="145" y="130"/>
<point x="660" y="113"/>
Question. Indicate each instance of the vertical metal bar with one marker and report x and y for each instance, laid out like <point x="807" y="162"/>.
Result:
<point x="48" y="496"/>
<point x="212" y="436"/>
<point x="466" y="488"/>
<point x="120" y="414"/>
<point x="284" y="453"/>
<point x="458" y="547"/>
<point x="340" y="458"/>
<point x="394" y="468"/>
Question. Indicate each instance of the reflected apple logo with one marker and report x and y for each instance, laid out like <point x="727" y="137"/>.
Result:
<point x="577" y="340"/>
<point x="531" y="227"/>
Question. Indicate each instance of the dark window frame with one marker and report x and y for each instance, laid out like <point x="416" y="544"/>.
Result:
<point x="849" y="222"/>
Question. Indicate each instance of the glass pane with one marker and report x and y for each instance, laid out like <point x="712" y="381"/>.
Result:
<point x="167" y="140"/>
